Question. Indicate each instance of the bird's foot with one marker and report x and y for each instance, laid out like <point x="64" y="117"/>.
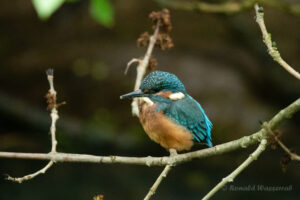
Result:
<point x="173" y="152"/>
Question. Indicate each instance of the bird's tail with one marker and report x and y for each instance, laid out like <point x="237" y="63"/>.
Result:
<point x="208" y="142"/>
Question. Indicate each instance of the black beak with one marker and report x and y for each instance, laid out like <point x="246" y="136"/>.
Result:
<point x="131" y="95"/>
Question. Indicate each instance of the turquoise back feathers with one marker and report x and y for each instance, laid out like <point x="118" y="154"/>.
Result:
<point x="186" y="111"/>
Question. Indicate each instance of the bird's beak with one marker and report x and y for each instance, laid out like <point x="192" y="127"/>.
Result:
<point x="131" y="95"/>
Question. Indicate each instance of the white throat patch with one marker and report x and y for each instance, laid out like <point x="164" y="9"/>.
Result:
<point x="176" y="96"/>
<point x="147" y="101"/>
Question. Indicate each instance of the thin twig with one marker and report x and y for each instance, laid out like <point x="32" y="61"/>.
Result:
<point x="142" y="68"/>
<point x="229" y="7"/>
<point x="133" y="60"/>
<point x="30" y="176"/>
<point x="238" y="170"/>
<point x="243" y="142"/>
<point x="272" y="49"/>
<point x="50" y="77"/>
<point x="52" y="104"/>
<point x="163" y="175"/>
<point x="292" y="155"/>
<point x="51" y="99"/>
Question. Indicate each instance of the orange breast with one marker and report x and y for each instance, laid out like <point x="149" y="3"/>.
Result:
<point x="163" y="130"/>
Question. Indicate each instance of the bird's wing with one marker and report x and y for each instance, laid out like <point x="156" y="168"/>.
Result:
<point x="188" y="113"/>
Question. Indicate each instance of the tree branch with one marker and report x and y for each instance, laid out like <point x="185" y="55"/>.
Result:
<point x="142" y="68"/>
<point x="163" y="175"/>
<point x="226" y="7"/>
<point x="169" y="162"/>
<point x="154" y="187"/>
<point x="272" y="49"/>
<point x="31" y="176"/>
<point x="292" y="155"/>
<point x="51" y="100"/>
<point x="162" y="26"/>
<point x="229" y="7"/>
<point x="243" y="142"/>
<point x="238" y="170"/>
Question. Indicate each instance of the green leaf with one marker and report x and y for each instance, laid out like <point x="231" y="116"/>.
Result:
<point x="45" y="8"/>
<point x="102" y="11"/>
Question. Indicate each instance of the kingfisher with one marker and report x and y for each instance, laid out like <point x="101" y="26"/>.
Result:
<point x="168" y="114"/>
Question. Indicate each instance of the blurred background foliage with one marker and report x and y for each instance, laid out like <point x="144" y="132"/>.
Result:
<point x="219" y="57"/>
<point x="101" y="10"/>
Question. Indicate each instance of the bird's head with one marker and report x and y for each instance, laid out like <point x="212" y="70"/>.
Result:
<point x="157" y="82"/>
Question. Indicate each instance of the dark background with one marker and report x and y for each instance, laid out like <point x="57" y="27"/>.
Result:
<point x="220" y="58"/>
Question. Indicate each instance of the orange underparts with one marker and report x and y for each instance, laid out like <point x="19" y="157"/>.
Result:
<point x="164" y="130"/>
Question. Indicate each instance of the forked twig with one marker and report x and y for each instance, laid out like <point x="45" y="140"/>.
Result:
<point x="52" y="105"/>
<point x="272" y="49"/>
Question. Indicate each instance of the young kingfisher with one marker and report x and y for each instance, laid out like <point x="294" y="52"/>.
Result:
<point x="168" y="114"/>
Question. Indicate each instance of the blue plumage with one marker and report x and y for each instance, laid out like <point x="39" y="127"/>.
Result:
<point x="180" y="109"/>
<point x="158" y="80"/>
<point x="188" y="113"/>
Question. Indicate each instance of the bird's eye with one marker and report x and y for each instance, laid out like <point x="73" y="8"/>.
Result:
<point x="149" y="91"/>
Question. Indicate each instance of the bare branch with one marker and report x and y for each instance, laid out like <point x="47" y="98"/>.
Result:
<point x="51" y="100"/>
<point x="163" y="175"/>
<point x="292" y="155"/>
<point x="133" y="60"/>
<point x="229" y="7"/>
<point x="238" y="170"/>
<point x="52" y="105"/>
<point x="243" y="142"/>
<point x="50" y="77"/>
<point x="30" y="176"/>
<point x="272" y="49"/>
<point x="162" y="27"/>
<point x="142" y="68"/>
